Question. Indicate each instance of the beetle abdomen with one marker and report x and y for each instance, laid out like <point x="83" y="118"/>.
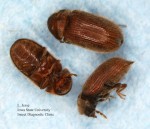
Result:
<point x="34" y="61"/>
<point x="25" y="55"/>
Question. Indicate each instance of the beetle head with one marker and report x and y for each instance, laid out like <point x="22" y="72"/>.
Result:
<point x="57" y="23"/>
<point x="85" y="106"/>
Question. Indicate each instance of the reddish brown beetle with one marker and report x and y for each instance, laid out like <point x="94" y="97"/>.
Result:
<point x="41" y="67"/>
<point x="99" y="85"/>
<point x="86" y="30"/>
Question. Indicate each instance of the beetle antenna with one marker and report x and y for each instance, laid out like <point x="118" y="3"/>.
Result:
<point x="101" y="114"/>
<point x="70" y="74"/>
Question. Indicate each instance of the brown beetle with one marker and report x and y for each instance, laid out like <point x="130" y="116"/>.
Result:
<point x="86" y="30"/>
<point x="41" y="67"/>
<point x="99" y="85"/>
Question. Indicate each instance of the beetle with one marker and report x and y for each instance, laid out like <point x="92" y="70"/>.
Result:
<point x="85" y="30"/>
<point x="101" y="83"/>
<point x="41" y="67"/>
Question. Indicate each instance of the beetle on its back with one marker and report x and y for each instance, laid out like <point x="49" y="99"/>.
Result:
<point x="41" y="67"/>
<point x="86" y="30"/>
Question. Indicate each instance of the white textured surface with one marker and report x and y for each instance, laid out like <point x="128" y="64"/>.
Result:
<point x="28" y="19"/>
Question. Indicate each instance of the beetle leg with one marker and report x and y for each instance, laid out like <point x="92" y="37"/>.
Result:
<point x="44" y="83"/>
<point x="111" y="97"/>
<point x="44" y="52"/>
<point x="105" y="97"/>
<point x="69" y="75"/>
<point x="62" y="40"/>
<point x="66" y="74"/>
<point x="51" y="69"/>
<point x="101" y="114"/>
<point x="120" y="88"/>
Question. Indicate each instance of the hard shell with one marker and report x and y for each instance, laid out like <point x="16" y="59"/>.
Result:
<point x="86" y="30"/>
<point x="111" y="71"/>
<point x="40" y="66"/>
